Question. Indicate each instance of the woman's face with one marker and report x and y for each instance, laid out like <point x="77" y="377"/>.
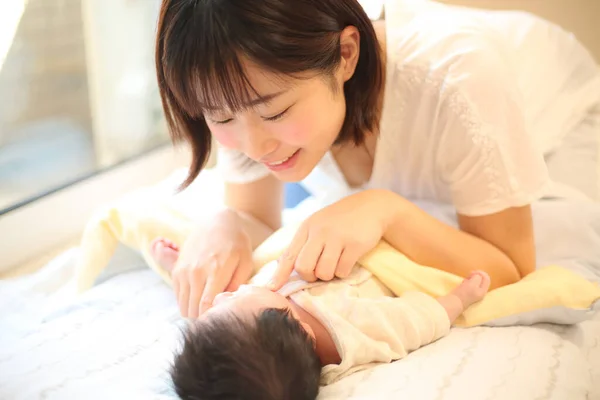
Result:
<point x="299" y="123"/>
<point x="290" y="132"/>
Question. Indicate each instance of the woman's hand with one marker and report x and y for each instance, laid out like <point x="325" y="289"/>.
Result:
<point x="331" y="241"/>
<point x="216" y="257"/>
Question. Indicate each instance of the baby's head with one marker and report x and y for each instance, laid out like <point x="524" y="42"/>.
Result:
<point x="249" y="345"/>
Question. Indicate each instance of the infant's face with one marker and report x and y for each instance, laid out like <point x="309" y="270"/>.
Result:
<point x="247" y="300"/>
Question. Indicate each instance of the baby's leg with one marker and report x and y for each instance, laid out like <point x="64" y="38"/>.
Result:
<point x="470" y="291"/>
<point x="165" y="253"/>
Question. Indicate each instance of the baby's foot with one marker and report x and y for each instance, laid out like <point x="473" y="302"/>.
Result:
<point x="165" y="253"/>
<point x="473" y="288"/>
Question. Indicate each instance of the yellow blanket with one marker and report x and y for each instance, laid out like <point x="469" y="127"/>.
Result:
<point x="137" y="219"/>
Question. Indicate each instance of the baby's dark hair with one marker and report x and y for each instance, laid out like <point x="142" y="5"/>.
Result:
<point x="269" y="357"/>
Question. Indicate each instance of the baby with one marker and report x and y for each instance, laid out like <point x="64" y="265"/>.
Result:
<point x="258" y="344"/>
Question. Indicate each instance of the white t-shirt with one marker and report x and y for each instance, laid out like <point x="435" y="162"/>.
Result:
<point x="464" y="120"/>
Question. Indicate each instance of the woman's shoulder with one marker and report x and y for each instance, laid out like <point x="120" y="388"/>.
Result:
<point x="440" y="45"/>
<point x="441" y="40"/>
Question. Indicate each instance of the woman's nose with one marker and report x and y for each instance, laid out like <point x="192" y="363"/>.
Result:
<point x="259" y="143"/>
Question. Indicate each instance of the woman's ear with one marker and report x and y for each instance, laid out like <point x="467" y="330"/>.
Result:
<point x="350" y="51"/>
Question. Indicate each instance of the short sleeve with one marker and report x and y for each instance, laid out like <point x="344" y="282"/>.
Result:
<point x="236" y="167"/>
<point x="488" y="159"/>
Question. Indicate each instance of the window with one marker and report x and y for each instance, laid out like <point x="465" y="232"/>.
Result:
<point x="78" y="92"/>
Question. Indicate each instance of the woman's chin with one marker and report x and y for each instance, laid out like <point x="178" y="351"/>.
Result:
<point x="290" y="176"/>
<point x="294" y="175"/>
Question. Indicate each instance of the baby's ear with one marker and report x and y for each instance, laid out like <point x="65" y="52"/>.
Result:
<point x="310" y="331"/>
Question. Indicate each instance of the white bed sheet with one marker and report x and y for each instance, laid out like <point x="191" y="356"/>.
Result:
<point x="116" y="341"/>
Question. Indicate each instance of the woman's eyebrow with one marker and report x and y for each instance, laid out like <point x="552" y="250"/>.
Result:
<point x="264" y="99"/>
<point x="252" y="103"/>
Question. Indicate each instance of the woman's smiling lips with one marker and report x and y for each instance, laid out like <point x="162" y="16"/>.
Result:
<point x="283" y="164"/>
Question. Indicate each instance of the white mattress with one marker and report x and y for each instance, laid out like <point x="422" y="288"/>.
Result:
<point x="116" y="341"/>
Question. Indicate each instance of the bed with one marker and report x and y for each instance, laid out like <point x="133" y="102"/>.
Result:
<point x="116" y="341"/>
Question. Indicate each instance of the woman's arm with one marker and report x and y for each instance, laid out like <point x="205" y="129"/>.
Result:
<point x="510" y="231"/>
<point x="259" y="204"/>
<point x="500" y="244"/>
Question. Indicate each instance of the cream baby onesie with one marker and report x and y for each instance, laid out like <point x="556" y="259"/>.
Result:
<point x="368" y="324"/>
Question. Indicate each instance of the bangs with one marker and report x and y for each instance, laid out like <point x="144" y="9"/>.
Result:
<point x="206" y="80"/>
<point x="207" y="72"/>
<point x="216" y="84"/>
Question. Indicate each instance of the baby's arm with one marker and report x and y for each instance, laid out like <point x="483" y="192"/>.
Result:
<point x="403" y="323"/>
<point x="416" y="319"/>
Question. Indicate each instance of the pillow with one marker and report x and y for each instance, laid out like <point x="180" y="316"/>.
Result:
<point x="577" y="162"/>
<point x="551" y="294"/>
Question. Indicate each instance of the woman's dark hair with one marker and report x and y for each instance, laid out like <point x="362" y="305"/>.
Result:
<point x="201" y="46"/>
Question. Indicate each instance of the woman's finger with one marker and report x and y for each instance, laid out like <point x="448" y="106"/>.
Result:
<point x="306" y="262"/>
<point x="346" y="263"/>
<point x="197" y="280"/>
<point x="287" y="260"/>
<point x="183" y="298"/>
<point x="218" y="279"/>
<point x="175" y="282"/>
<point x="328" y="261"/>
<point x="242" y="274"/>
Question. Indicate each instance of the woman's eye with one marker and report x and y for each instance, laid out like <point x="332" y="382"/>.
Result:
<point x="222" y="122"/>
<point x="278" y="116"/>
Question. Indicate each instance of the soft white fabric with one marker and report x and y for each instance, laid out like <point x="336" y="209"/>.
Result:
<point x="368" y="324"/>
<point x="473" y="102"/>
<point x="576" y="162"/>
<point x="116" y="341"/>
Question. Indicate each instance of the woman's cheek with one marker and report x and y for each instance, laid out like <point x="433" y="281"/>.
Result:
<point x="224" y="136"/>
<point x="296" y="133"/>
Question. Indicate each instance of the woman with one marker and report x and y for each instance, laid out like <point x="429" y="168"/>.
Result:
<point x="427" y="107"/>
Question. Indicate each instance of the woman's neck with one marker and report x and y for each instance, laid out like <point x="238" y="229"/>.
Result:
<point x="356" y="162"/>
<point x="324" y="344"/>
